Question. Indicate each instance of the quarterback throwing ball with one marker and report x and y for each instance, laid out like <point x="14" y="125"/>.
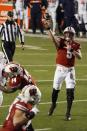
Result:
<point x="67" y="50"/>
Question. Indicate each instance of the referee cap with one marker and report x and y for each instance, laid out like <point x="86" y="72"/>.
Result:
<point x="10" y="13"/>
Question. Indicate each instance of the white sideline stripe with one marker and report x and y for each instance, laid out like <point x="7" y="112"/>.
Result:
<point x="44" y="129"/>
<point x="52" y="80"/>
<point x="40" y="54"/>
<point x="46" y="36"/>
<point x="40" y="70"/>
<point x="54" y="65"/>
<point x="32" y="47"/>
<point x="46" y="103"/>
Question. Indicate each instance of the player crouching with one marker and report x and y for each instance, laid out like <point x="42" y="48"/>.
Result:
<point x="22" y="110"/>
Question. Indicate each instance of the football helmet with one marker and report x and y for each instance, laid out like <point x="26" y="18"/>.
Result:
<point x="31" y="94"/>
<point x="69" y="33"/>
<point x="11" y="75"/>
<point x="12" y="70"/>
<point x="69" y="29"/>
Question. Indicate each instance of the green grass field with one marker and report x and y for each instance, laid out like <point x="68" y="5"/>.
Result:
<point x="39" y="59"/>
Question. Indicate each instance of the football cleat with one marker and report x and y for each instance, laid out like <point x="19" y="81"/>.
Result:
<point x="51" y="110"/>
<point x="68" y="117"/>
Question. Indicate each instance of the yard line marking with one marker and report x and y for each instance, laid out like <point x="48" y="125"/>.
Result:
<point x="38" y="65"/>
<point x="34" y="54"/>
<point x="32" y="47"/>
<point x="40" y="70"/>
<point x="46" y="54"/>
<point x="44" y="129"/>
<point x="47" y="103"/>
<point x="46" y="36"/>
<point x="61" y="102"/>
<point x="54" y="65"/>
<point x="80" y="79"/>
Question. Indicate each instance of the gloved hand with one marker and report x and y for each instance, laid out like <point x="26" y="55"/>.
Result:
<point x="46" y="20"/>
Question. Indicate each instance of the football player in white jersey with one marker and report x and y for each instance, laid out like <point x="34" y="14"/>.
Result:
<point x="51" y="9"/>
<point x="2" y="65"/>
<point x="82" y="13"/>
<point x="18" y="12"/>
<point x="26" y="15"/>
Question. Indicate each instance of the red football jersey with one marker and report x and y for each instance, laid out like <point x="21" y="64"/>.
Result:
<point x="21" y="80"/>
<point x="26" y="79"/>
<point x="8" y="124"/>
<point x="62" y="58"/>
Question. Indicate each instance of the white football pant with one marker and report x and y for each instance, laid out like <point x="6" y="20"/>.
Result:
<point x="52" y="13"/>
<point x="63" y="73"/>
<point x="26" y="18"/>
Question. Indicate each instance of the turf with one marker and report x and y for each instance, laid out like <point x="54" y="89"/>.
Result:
<point x="38" y="58"/>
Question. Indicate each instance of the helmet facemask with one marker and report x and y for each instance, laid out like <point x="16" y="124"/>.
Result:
<point x="68" y="36"/>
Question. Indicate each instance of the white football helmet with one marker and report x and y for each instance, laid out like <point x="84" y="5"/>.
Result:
<point x="69" y="29"/>
<point x="12" y="70"/>
<point x="11" y="75"/>
<point x="31" y="94"/>
<point x="69" y="33"/>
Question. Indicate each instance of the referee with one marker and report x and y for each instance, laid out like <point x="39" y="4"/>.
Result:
<point x="8" y="32"/>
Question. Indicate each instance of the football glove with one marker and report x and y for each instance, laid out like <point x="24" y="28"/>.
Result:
<point x="30" y="115"/>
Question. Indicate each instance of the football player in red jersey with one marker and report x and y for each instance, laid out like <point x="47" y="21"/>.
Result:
<point x="15" y="77"/>
<point x="22" y="110"/>
<point x="67" y="51"/>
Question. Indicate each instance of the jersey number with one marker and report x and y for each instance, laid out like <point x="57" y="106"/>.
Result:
<point x="69" y="54"/>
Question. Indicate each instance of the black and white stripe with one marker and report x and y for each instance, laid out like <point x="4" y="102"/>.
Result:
<point x="9" y="32"/>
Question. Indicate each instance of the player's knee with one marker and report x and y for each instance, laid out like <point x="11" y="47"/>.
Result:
<point x="70" y="94"/>
<point x="56" y="86"/>
<point x="54" y="95"/>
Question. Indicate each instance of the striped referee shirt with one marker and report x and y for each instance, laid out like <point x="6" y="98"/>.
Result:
<point x="9" y="31"/>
